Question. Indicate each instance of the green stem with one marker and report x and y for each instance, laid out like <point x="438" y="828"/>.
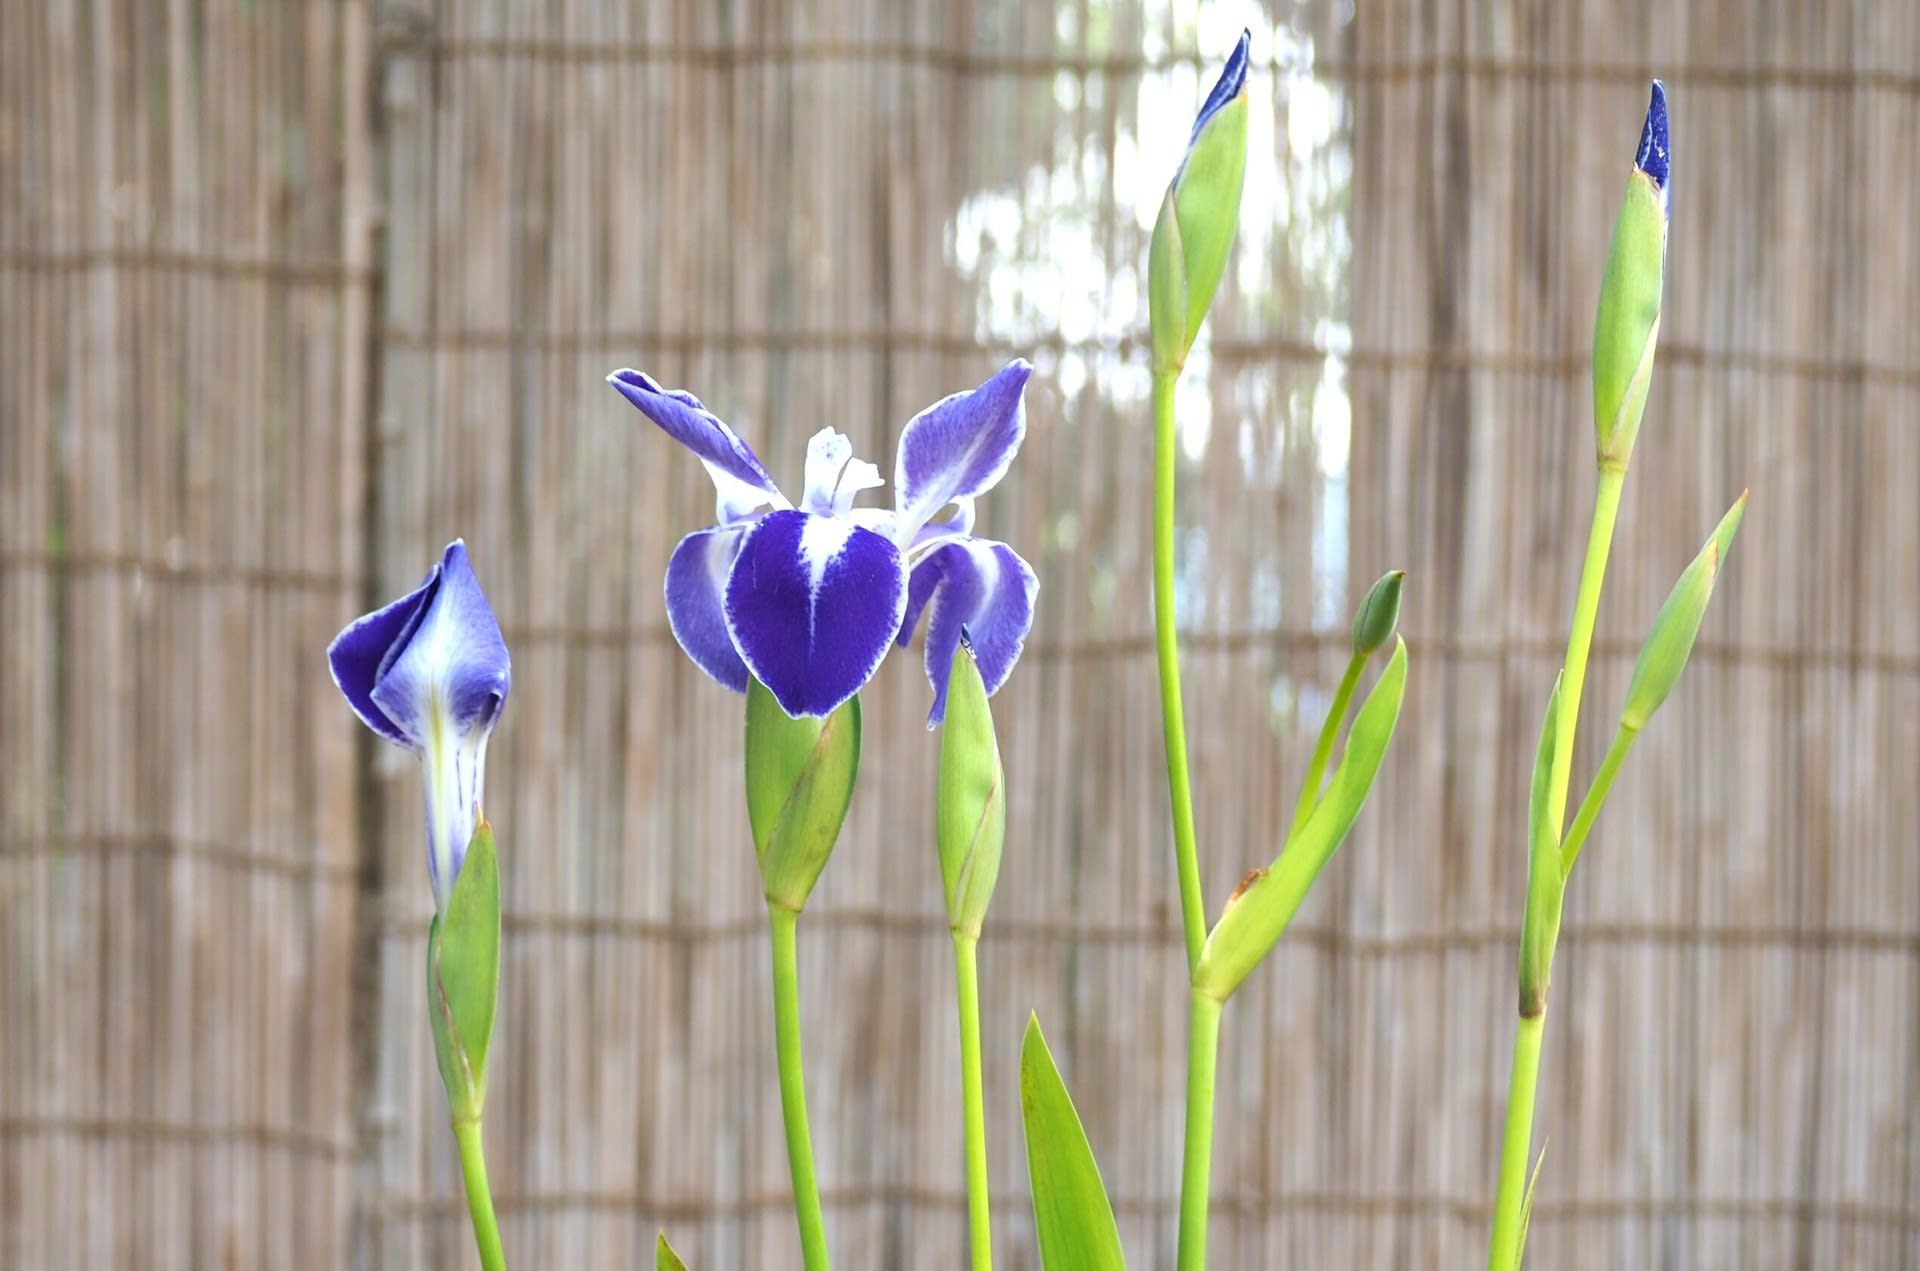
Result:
<point x="1193" y="912"/>
<point x="1606" y="509"/>
<point x="973" y="1097"/>
<point x="473" y="1165"/>
<point x="1203" y="1055"/>
<point x="1509" y="1218"/>
<point x="1596" y="795"/>
<point x="1523" y="1081"/>
<point x="1323" y="749"/>
<point x="782" y="923"/>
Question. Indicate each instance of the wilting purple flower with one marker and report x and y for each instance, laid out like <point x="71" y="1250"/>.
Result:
<point x="430" y="672"/>
<point x="808" y="600"/>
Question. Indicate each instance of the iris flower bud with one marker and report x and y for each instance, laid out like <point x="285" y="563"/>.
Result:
<point x="1627" y="325"/>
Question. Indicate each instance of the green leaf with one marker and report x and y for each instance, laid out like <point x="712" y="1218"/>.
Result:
<point x="1546" y="879"/>
<point x="664" y="1258"/>
<point x="463" y="976"/>
<point x="971" y="804"/>
<point x="1675" y="628"/>
<point x="1258" y="912"/>
<point x="800" y="775"/>
<point x="1071" y="1214"/>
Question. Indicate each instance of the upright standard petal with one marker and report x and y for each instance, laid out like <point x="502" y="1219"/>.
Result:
<point x="834" y="476"/>
<point x="983" y="587"/>
<point x="958" y="448"/>
<point x="741" y="482"/>
<point x="813" y="604"/>
<point x="697" y="602"/>
<point x="452" y="670"/>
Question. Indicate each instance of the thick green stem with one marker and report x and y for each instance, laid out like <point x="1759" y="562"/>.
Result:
<point x="1523" y="1081"/>
<point x="473" y="1166"/>
<point x="1203" y="1055"/>
<point x="1509" y="1216"/>
<point x="1323" y="749"/>
<point x="1193" y="911"/>
<point x="782" y="923"/>
<point x="973" y="1098"/>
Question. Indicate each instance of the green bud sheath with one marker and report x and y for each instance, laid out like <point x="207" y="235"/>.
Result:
<point x="1167" y="291"/>
<point x="1193" y="235"/>
<point x="1670" y="643"/>
<point x="463" y="976"/>
<point x="1627" y="325"/>
<point x="1379" y="614"/>
<point x="800" y="775"/>
<point x="1546" y="879"/>
<point x="1259" y="910"/>
<point x="971" y="807"/>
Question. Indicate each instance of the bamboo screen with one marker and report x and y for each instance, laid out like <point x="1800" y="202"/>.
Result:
<point x="293" y="294"/>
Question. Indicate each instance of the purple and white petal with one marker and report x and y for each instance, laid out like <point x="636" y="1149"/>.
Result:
<point x="697" y="602"/>
<point x="958" y="448"/>
<point x="452" y="669"/>
<point x="359" y="654"/>
<point x="834" y="476"/>
<point x="741" y="482"/>
<point x="985" y="587"/>
<point x="813" y="604"/>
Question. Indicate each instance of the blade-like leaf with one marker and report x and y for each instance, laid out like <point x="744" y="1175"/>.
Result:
<point x="664" y="1258"/>
<point x="1260" y="911"/>
<point x="1071" y="1214"/>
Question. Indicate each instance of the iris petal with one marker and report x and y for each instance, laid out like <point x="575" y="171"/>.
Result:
<point x="452" y="669"/>
<point x="359" y="654"/>
<point x="958" y="448"/>
<point x="983" y="586"/>
<point x="1233" y="78"/>
<point x="741" y="482"/>
<point x="813" y="604"/>
<point x="697" y="602"/>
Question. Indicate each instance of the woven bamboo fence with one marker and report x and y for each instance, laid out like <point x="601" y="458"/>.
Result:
<point x="294" y="293"/>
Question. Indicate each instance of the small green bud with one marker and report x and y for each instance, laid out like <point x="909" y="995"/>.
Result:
<point x="1670" y="643"/>
<point x="1378" y="614"/>
<point x="971" y="805"/>
<point x="1193" y="236"/>
<point x="800" y="775"/>
<point x="1546" y="878"/>
<point x="1626" y="327"/>
<point x="463" y="976"/>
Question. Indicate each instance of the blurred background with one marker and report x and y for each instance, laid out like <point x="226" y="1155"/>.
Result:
<point x="295" y="293"/>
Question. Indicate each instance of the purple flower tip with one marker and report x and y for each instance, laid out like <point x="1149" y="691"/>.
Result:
<point x="1232" y="82"/>
<point x="1653" y="154"/>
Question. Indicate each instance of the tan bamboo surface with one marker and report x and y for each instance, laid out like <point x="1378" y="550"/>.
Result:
<point x="292" y="294"/>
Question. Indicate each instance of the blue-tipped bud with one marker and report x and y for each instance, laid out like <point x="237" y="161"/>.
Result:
<point x="1194" y="234"/>
<point x="1626" y="327"/>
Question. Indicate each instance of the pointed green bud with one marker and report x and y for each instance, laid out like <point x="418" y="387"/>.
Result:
<point x="463" y="976"/>
<point x="664" y="1258"/>
<point x="1670" y="642"/>
<point x="971" y="806"/>
<point x="1626" y="327"/>
<point x="800" y="775"/>
<point x="1257" y="913"/>
<point x="1379" y="614"/>
<point x="1546" y="879"/>
<point x="1193" y="236"/>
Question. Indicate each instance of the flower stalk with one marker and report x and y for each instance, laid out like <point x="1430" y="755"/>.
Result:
<point x="782" y="924"/>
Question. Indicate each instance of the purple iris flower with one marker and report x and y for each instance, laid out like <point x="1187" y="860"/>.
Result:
<point x="430" y="672"/>
<point x="809" y="599"/>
